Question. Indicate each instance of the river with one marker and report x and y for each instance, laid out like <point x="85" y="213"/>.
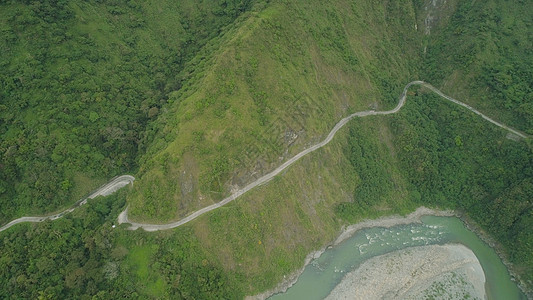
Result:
<point x="324" y="273"/>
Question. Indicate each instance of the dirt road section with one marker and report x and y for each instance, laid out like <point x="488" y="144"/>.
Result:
<point x="105" y="190"/>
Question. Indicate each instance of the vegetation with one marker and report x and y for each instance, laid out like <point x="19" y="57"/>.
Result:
<point x="196" y="98"/>
<point x="82" y="256"/>
<point x="80" y="82"/>
<point x="489" y="44"/>
<point x="462" y="162"/>
<point x="481" y="54"/>
<point x="282" y="79"/>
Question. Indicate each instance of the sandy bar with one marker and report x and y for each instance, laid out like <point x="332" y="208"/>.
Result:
<point x="445" y="272"/>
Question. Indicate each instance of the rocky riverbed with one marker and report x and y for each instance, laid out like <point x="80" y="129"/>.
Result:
<point x="425" y="272"/>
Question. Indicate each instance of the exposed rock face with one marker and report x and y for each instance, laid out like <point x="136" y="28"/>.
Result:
<point x="426" y="272"/>
<point x="436" y="12"/>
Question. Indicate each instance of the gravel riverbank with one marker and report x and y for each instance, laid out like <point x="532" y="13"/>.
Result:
<point x="424" y="272"/>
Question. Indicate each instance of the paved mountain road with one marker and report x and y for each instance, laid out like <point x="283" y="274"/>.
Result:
<point x="123" y="217"/>
<point x="124" y="180"/>
<point x="105" y="190"/>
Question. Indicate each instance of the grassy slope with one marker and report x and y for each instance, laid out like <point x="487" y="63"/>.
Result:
<point x="278" y="82"/>
<point x="267" y="233"/>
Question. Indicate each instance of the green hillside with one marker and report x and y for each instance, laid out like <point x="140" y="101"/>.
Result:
<point x="278" y="84"/>
<point x="80" y="82"/>
<point x="196" y="99"/>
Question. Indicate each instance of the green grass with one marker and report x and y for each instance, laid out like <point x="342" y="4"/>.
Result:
<point x="140" y="259"/>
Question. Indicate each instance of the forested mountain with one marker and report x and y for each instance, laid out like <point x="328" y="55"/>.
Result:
<point x="484" y="52"/>
<point x="198" y="98"/>
<point x="80" y="82"/>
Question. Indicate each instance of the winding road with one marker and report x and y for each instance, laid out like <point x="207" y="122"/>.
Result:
<point x="123" y="217"/>
<point x="121" y="181"/>
<point x="105" y="190"/>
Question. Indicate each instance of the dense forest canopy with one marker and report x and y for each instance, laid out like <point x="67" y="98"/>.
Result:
<point x="485" y="53"/>
<point x="80" y="82"/>
<point x="94" y="89"/>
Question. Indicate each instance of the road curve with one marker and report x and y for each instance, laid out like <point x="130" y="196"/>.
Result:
<point x="123" y="217"/>
<point x="105" y="190"/>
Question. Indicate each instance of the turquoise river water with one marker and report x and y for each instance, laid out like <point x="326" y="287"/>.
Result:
<point x="323" y="274"/>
